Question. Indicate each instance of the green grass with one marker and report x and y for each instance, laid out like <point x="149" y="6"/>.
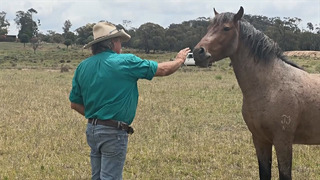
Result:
<point x="53" y="56"/>
<point x="49" y="56"/>
<point x="188" y="126"/>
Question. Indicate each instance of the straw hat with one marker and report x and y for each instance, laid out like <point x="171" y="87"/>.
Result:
<point x="103" y="31"/>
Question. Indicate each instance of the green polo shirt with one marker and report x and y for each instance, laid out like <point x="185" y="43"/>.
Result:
<point x="106" y="84"/>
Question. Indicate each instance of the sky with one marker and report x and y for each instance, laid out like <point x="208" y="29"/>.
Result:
<point x="53" y="13"/>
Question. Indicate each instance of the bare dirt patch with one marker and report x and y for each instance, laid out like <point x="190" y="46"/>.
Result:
<point x="312" y="54"/>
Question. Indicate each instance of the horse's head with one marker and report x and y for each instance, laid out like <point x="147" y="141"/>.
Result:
<point x="221" y="39"/>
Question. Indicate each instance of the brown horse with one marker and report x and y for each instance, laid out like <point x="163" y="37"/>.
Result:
<point x="281" y="102"/>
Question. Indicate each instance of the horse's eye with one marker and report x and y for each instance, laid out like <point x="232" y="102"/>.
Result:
<point x="226" y="28"/>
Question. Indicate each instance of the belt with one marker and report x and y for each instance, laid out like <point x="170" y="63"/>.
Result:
<point x="112" y="123"/>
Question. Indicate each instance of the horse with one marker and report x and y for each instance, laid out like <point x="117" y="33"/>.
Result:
<point x="281" y="102"/>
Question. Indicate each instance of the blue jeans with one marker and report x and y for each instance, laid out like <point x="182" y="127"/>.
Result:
<point x="108" y="151"/>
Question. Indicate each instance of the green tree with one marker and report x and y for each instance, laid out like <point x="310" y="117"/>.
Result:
<point x="126" y="23"/>
<point x="187" y="34"/>
<point x="84" y="34"/>
<point x="310" y="26"/>
<point x="26" y="24"/>
<point x="170" y="43"/>
<point x="259" y="22"/>
<point x="151" y="36"/>
<point x="44" y="37"/>
<point x="134" y="41"/>
<point x="67" y="42"/>
<point x="35" y="44"/>
<point x="49" y="36"/>
<point x="4" y="24"/>
<point x="309" y="41"/>
<point x="285" y="32"/>
<point x="157" y="42"/>
<point x="70" y="35"/>
<point x="66" y="32"/>
<point x="67" y="25"/>
<point x="57" y="38"/>
<point x="24" y="38"/>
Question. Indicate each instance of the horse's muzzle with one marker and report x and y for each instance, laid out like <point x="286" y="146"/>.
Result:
<point x="201" y="57"/>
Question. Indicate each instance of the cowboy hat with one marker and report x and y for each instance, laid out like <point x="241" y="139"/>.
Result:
<point x="104" y="30"/>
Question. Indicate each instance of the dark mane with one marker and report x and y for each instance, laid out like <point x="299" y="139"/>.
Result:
<point x="260" y="45"/>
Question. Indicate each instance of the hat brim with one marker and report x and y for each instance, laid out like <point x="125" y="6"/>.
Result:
<point x="121" y="34"/>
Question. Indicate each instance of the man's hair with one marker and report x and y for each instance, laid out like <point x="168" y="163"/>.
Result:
<point x="102" y="46"/>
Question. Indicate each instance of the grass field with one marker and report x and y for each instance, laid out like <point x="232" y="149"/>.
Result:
<point x="188" y="125"/>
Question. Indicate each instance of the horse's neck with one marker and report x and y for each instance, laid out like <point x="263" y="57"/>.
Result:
<point x="253" y="77"/>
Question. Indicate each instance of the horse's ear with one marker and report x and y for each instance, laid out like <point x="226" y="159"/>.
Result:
<point x="239" y="15"/>
<point x="215" y="12"/>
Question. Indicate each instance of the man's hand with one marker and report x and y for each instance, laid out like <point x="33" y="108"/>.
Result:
<point x="167" y="68"/>
<point x="182" y="55"/>
<point x="78" y="107"/>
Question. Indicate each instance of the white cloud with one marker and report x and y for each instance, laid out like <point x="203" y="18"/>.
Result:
<point x="53" y="13"/>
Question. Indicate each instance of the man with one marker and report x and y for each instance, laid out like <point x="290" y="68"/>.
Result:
<point x="104" y="90"/>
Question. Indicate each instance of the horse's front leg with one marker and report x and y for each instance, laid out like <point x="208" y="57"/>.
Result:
<point x="264" y="154"/>
<point x="284" y="156"/>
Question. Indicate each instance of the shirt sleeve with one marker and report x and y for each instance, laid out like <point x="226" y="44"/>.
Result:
<point x="142" y="69"/>
<point x="75" y="94"/>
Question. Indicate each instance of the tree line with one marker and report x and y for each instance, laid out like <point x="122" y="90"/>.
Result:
<point x="152" y="37"/>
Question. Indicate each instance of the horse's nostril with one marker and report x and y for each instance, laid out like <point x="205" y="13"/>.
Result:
<point x="201" y="50"/>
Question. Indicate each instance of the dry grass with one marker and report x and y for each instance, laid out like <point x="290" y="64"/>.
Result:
<point x="40" y="138"/>
<point x="188" y="126"/>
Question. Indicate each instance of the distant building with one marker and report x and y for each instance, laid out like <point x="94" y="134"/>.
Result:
<point x="8" y="38"/>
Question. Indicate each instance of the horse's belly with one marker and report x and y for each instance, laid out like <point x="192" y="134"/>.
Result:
<point x="307" y="134"/>
<point x="307" y="141"/>
<point x="308" y="129"/>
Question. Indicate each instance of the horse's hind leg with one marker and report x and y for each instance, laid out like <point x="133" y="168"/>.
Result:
<point x="284" y="155"/>
<point x="264" y="154"/>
